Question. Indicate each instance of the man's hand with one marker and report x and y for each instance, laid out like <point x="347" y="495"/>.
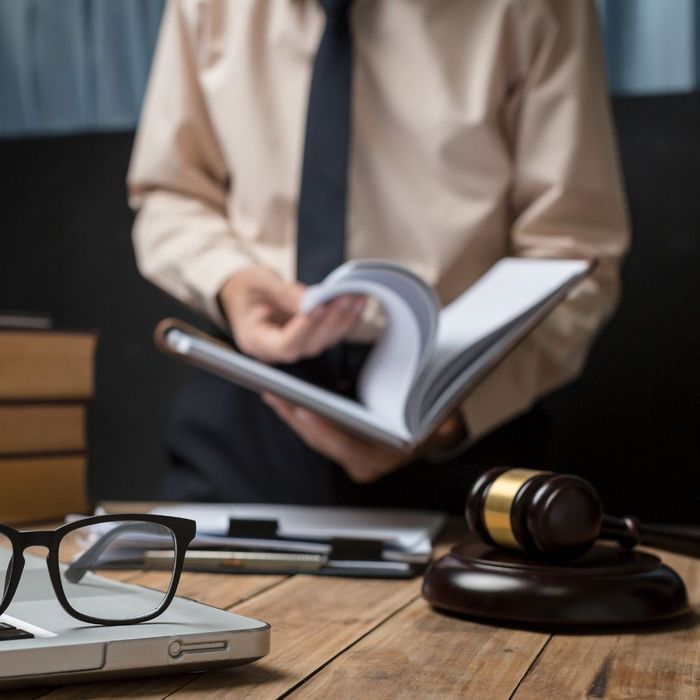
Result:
<point x="263" y="311"/>
<point x="364" y="462"/>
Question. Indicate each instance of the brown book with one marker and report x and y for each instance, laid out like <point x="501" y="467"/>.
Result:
<point x="42" y="488"/>
<point x="42" y="428"/>
<point x="46" y="365"/>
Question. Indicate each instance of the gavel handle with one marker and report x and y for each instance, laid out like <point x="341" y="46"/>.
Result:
<point x="629" y="532"/>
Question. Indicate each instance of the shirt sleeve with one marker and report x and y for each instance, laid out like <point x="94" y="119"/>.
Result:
<point x="566" y="201"/>
<point x="178" y="179"/>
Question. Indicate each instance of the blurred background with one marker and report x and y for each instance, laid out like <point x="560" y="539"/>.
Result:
<point x="72" y="77"/>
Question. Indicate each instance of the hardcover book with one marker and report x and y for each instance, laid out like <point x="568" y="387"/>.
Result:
<point x="425" y="362"/>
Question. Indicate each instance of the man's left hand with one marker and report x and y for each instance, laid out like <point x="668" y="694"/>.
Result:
<point x="363" y="461"/>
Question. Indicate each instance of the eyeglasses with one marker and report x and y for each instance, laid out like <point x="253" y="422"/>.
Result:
<point x="101" y="542"/>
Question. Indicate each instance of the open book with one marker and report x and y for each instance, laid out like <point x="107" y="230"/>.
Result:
<point x="425" y="361"/>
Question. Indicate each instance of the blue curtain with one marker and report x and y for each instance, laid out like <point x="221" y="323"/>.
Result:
<point x="82" y="65"/>
<point x="652" y="46"/>
<point x="74" y="65"/>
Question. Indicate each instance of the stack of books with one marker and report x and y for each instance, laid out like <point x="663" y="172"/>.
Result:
<point x="46" y="381"/>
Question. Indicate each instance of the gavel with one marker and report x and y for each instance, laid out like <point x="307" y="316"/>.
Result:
<point x="557" y="516"/>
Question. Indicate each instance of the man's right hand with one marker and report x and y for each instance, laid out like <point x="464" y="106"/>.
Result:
<point x="263" y="312"/>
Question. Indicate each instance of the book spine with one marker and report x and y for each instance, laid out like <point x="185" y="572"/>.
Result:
<point x="34" y="429"/>
<point x="46" y="366"/>
<point x="46" y="381"/>
<point x="42" y="488"/>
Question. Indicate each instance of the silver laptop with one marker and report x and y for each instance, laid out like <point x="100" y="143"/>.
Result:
<point x="188" y="636"/>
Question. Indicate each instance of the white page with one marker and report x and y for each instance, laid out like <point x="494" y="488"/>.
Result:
<point x="508" y="290"/>
<point x="403" y="349"/>
<point x="419" y="296"/>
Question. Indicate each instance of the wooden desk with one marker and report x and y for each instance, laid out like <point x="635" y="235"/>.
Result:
<point x="353" y="638"/>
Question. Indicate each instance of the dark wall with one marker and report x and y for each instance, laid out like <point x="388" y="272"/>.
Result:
<point x="631" y="423"/>
<point x="66" y="249"/>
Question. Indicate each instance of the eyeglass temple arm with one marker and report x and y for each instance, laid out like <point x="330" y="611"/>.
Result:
<point x="91" y="556"/>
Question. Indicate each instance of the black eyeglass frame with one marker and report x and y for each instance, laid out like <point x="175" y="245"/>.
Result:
<point x="183" y="530"/>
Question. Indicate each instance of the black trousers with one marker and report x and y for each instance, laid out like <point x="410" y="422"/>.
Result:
<point x="226" y="445"/>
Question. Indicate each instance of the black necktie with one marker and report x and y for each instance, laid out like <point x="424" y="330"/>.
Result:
<point x="323" y="193"/>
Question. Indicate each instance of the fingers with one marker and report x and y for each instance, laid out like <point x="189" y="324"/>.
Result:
<point x="450" y="433"/>
<point x="263" y="311"/>
<point x="295" y="334"/>
<point x="448" y="427"/>
<point x="272" y="342"/>
<point x="340" y="317"/>
<point x="258" y="305"/>
<point x="287" y="297"/>
<point x="362" y="462"/>
<point x="304" y="335"/>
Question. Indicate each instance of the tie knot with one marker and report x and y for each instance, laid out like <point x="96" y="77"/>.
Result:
<point x="335" y="9"/>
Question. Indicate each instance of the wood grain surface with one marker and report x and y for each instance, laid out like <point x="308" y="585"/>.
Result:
<point x="314" y="620"/>
<point x="418" y="654"/>
<point x="361" y="638"/>
<point x="658" y="662"/>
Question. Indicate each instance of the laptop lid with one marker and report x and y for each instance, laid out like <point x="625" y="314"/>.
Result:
<point x="187" y="636"/>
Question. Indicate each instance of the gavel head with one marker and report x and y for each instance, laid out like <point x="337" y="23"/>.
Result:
<point x="544" y="514"/>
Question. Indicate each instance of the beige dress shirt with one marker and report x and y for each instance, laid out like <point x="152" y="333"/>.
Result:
<point x="480" y="129"/>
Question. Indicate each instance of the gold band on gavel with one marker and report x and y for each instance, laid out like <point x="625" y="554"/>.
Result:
<point x="499" y="502"/>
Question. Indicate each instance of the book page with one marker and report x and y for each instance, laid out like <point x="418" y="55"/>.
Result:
<point x="472" y="323"/>
<point x="417" y="294"/>
<point x="402" y="351"/>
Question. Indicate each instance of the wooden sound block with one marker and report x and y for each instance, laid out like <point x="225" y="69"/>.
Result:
<point x="607" y="586"/>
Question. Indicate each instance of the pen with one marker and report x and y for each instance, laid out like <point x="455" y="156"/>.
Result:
<point x="239" y="560"/>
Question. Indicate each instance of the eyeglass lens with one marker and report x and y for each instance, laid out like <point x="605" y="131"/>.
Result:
<point x="121" y="546"/>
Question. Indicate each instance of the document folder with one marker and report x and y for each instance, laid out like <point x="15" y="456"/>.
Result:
<point x="288" y="539"/>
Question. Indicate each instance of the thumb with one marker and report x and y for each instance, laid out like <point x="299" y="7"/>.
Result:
<point x="287" y="296"/>
<point x="447" y="427"/>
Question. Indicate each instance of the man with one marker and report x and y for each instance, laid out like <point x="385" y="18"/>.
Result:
<point x="280" y="136"/>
